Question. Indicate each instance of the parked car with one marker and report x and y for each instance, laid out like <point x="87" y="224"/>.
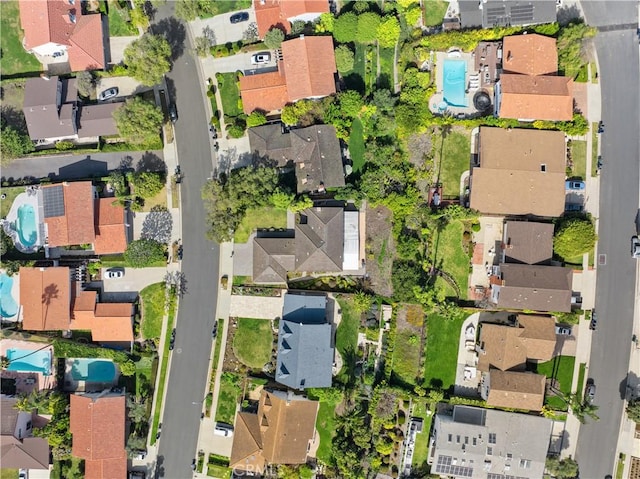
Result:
<point x="193" y="465"/>
<point x="262" y="57"/>
<point x="114" y="273"/>
<point x="109" y="93"/>
<point x="239" y="17"/>
<point x="573" y="207"/>
<point x="224" y="281"/>
<point x="223" y="430"/>
<point x="141" y="454"/>
<point x="574" y="185"/>
<point x="594" y="321"/>
<point x="23" y="474"/>
<point x="635" y="247"/>
<point x="599" y="164"/>
<point x="590" y="391"/>
<point x="600" y="127"/>
<point x="173" y="113"/>
<point x="563" y="331"/>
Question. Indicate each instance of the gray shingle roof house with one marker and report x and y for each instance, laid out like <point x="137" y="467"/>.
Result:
<point x="528" y="242"/>
<point x="315" y="152"/>
<point x="488" y="444"/>
<point x="305" y="351"/>
<point x="500" y="13"/>
<point x="53" y="112"/>
<point x="18" y="448"/>
<point x="272" y="258"/>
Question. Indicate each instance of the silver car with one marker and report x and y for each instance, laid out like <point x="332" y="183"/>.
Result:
<point x="108" y="94"/>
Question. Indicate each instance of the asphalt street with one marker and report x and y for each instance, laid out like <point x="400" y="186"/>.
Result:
<point x="619" y="73"/>
<point x="189" y="364"/>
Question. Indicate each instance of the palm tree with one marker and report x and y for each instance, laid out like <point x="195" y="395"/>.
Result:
<point x="581" y="408"/>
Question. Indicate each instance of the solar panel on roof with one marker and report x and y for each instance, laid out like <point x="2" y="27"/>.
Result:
<point x="53" y="201"/>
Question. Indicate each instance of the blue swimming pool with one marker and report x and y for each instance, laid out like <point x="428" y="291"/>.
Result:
<point x="93" y="370"/>
<point x="454" y="82"/>
<point x="26" y="225"/>
<point x="8" y="305"/>
<point x="28" y="360"/>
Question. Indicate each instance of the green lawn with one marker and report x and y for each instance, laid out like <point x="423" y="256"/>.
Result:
<point x="228" y="398"/>
<point x="118" y="260"/>
<point x="119" y="25"/>
<point x="561" y="369"/>
<point x="581" y="373"/>
<point x="356" y="145"/>
<point x="451" y="258"/>
<point x="153" y="299"/>
<point x="11" y="193"/>
<point x="144" y="372"/>
<point x="579" y="157"/>
<point x="387" y="63"/>
<point x="227" y="6"/>
<point x="15" y="60"/>
<point x="221" y="472"/>
<point x="355" y="79"/>
<point x="259" y="218"/>
<point x="8" y="474"/>
<point x="229" y="93"/>
<point x="347" y="333"/>
<point x="594" y="149"/>
<point x="434" y="11"/>
<point x="453" y="157"/>
<point x="406" y="356"/>
<point x="253" y="341"/>
<point x="421" y="449"/>
<point x="441" y="355"/>
<point x="325" y="424"/>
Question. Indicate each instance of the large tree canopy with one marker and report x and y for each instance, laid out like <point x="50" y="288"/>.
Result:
<point x="368" y="23"/>
<point x="138" y="121"/>
<point x="344" y="58"/>
<point x="345" y="27"/>
<point x="574" y="236"/>
<point x="388" y="32"/>
<point x="148" y="58"/>
<point x="143" y="253"/>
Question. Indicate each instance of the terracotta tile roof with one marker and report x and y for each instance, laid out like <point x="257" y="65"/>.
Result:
<point x="110" y="227"/>
<point x="108" y="323"/>
<point x="536" y="97"/>
<point x="510" y="179"/>
<point x="264" y="91"/>
<point x="49" y="21"/>
<point x="275" y="13"/>
<point x="517" y="390"/>
<point x="84" y="301"/>
<point x="528" y="242"/>
<point x="246" y="451"/>
<point x="98" y="428"/>
<point x="45" y="295"/>
<point x="75" y="225"/>
<point x="530" y="54"/>
<point x="310" y="66"/>
<point x="297" y="8"/>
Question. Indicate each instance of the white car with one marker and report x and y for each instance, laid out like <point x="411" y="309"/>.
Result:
<point x="114" y="273"/>
<point x="23" y="474"/>
<point x="563" y="331"/>
<point x="223" y="430"/>
<point x="262" y="57"/>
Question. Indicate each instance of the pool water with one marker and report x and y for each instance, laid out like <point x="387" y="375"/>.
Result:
<point x="26" y="225"/>
<point x="8" y="305"/>
<point x="454" y="76"/>
<point x="28" y="360"/>
<point x="93" y="370"/>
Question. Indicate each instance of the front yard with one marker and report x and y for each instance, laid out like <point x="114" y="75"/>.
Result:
<point x="260" y="218"/>
<point x="153" y="299"/>
<point x="15" y="60"/>
<point x="579" y="159"/>
<point x="560" y="370"/>
<point x="230" y="391"/>
<point x="253" y="341"/>
<point x="228" y="85"/>
<point x="119" y="21"/>
<point x="441" y="355"/>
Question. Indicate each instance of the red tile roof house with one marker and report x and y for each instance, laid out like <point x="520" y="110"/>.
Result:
<point x="58" y="27"/>
<point x="51" y="301"/>
<point x="73" y="216"/>
<point x="97" y="424"/>
<point x="307" y="70"/>
<point x="282" y="13"/>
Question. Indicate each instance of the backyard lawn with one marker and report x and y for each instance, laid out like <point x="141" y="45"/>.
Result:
<point x="347" y="332"/>
<point x="406" y="356"/>
<point x="228" y="398"/>
<point x="451" y="258"/>
<point x="420" y="451"/>
<point x="260" y="218"/>
<point x="441" y="355"/>
<point x="15" y="60"/>
<point x="153" y="299"/>
<point x="559" y="368"/>
<point x="229" y="93"/>
<point x="119" y="25"/>
<point x="453" y="156"/>
<point x="325" y="424"/>
<point x="253" y="341"/>
<point x="387" y="62"/>
<point x="356" y="145"/>
<point x="434" y="11"/>
<point x="579" y="158"/>
<point x="10" y="195"/>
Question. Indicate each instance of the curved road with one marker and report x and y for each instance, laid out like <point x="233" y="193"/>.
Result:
<point x="190" y="361"/>
<point x="619" y="71"/>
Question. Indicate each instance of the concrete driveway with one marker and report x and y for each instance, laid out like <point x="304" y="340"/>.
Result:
<point x="240" y="61"/>
<point x="224" y="30"/>
<point x="127" y="86"/>
<point x="118" y="44"/>
<point x="135" y="279"/>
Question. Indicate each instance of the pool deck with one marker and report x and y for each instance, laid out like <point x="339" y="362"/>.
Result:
<point x="71" y="384"/>
<point x="438" y="97"/>
<point x="32" y="197"/>
<point x="23" y="379"/>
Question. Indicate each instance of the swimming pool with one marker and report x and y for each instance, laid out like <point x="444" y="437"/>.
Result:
<point x="454" y="77"/>
<point x="8" y="305"/>
<point x="93" y="370"/>
<point x="28" y="360"/>
<point x="26" y="225"/>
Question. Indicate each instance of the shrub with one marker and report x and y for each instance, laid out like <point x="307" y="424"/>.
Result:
<point x="64" y="145"/>
<point x="235" y="131"/>
<point x="574" y="236"/>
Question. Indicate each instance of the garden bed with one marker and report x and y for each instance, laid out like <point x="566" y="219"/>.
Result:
<point x="380" y="249"/>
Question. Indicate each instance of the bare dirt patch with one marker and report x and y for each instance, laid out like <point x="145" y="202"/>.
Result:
<point x="380" y="249"/>
<point x="410" y="317"/>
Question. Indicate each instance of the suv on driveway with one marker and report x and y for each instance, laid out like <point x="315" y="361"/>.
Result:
<point x="262" y="57"/>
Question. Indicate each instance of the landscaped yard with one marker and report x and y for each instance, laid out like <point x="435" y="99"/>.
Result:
<point x="159" y="200"/>
<point x="451" y="258"/>
<point x="453" y="158"/>
<point x="153" y="298"/>
<point x="253" y="341"/>
<point x="347" y="335"/>
<point x="579" y="158"/>
<point x="119" y="25"/>
<point x="144" y="373"/>
<point x="356" y="145"/>
<point x="229" y="93"/>
<point x="387" y="62"/>
<point x="228" y="398"/>
<point x="260" y="218"/>
<point x="10" y="194"/>
<point x="406" y="356"/>
<point x="441" y="355"/>
<point x="228" y="6"/>
<point x="434" y="11"/>
<point x="8" y="474"/>
<point x="559" y="368"/>
<point x="15" y="60"/>
<point x="421" y="449"/>
<point x="325" y="424"/>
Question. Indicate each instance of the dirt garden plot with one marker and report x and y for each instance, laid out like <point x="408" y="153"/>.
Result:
<point x="380" y="249"/>
<point x="409" y="347"/>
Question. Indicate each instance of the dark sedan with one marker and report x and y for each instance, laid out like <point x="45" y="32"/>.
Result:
<point x="239" y="17"/>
